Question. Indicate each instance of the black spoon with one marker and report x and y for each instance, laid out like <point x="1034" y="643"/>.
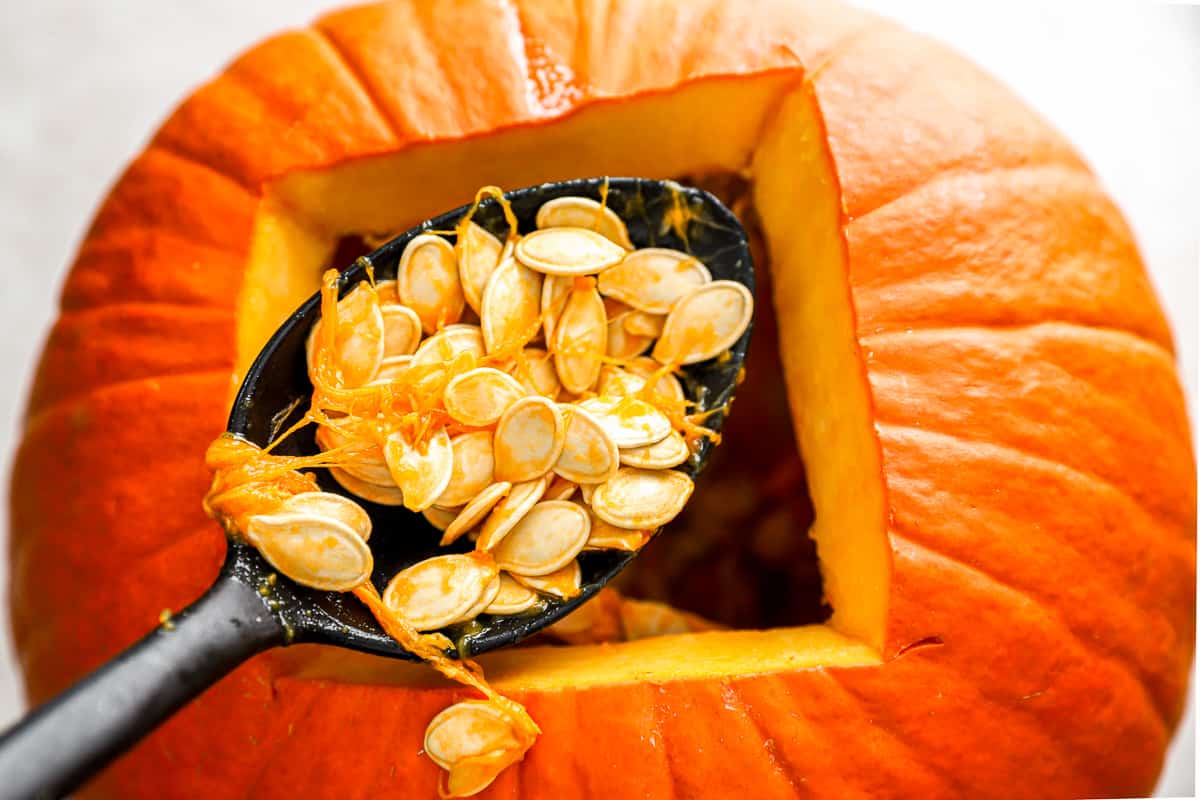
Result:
<point x="63" y="742"/>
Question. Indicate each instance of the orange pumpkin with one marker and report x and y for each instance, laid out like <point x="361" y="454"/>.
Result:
<point x="980" y="379"/>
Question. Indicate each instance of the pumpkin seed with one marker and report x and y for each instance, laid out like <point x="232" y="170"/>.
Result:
<point x="474" y="512"/>
<point x="386" y="292"/>
<point x="427" y="281"/>
<point x="560" y="489"/>
<point x="604" y="536"/>
<point x="537" y="375"/>
<point x="545" y="540"/>
<point x="513" y="598"/>
<point x="640" y="499"/>
<point x="422" y="470"/>
<point x="628" y="421"/>
<point x="359" y="338"/>
<point x="653" y="279"/>
<point x="529" y="439"/>
<point x="583" y="212"/>
<point x="622" y="344"/>
<point x="439" y="518"/>
<point x="564" y="583"/>
<point x="642" y="323"/>
<point x="617" y="382"/>
<point x="667" y="385"/>
<point x="555" y="291"/>
<point x="589" y="454"/>
<point x="391" y="369"/>
<point x="312" y="549"/>
<point x="568" y="251"/>
<point x="479" y="397"/>
<point x="466" y="731"/>
<point x="472" y="469"/>
<point x="508" y="512"/>
<point x="671" y="451"/>
<point x="478" y="255"/>
<point x="333" y="506"/>
<point x="585" y="491"/>
<point x="401" y="330"/>
<point x="446" y="344"/>
<point x="485" y="598"/>
<point x="375" y="493"/>
<point x="511" y="306"/>
<point x="368" y="463"/>
<point x="705" y="322"/>
<point x="439" y="591"/>
<point x="580" y="340"/>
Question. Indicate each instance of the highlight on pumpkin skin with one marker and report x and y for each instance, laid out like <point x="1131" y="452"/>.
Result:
<point x="410" y="407"/>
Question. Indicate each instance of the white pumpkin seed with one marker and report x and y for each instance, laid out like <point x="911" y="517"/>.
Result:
<point x="580" y="340"/>
<point x="511" y="306"/>
<point x="529" y="439"/>
<point x="671" y="451"/>
<point x="478" y="256"/>
<point x="604" y="536"/>
<point x="422" y="470"/>
<point x="640" y="499"/>
<point x="333" y="506"/>
<point x="622" y="344"/>
<point x="313" y="550"/>
<point x="375" y="493"/>
<point x="391" y="369"/>
<point x="427" y="281"/>
<point x="555" y="291"/>
<point x="513" y="598"/>
<point x="467" y="730"/>
<point x="589" y="454"/>
<point x="564" y="583"/>
<point x="545" y="540"/>
<point x="628" y="421"/>
<point x="485" y="599"/>
<point x="642" y="323"/>
<point x="368" y="463"/>
<point x="439" y="591"/>
<point x="445" y="345"/>
<point x="359" y="338"/>
<point x="472" y="470"/>
<point x="667" y="385"/>
<point x="585" y="491"/>
<point x="480" y="396"/>
<point x="704" y="323"/>
<point x="537" y="375"/>
<point x="653" y="279"/>
<point x="568" y="251"/>
<point x="560" y="489"/>
<point x="401" y="330"/>
<point x="474" y="512"/>
<point x="617" y="382"/>
<point x="508" y="512"/>
<point x="439" y="518"/>
<point x="583" y="212"/>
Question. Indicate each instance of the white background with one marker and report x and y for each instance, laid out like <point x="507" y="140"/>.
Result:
<point x="83" y="84"/>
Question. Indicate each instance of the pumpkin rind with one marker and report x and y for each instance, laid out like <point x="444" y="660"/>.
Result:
<point x="1034" y="448"/>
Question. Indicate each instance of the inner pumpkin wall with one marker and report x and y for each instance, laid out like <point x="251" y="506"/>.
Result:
<point x="688" y="131"/>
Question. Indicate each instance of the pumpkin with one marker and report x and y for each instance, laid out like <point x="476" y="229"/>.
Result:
<point x="980" y="380"/>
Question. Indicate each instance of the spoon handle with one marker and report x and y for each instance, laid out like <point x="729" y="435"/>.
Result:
<point x="69" y="738"/>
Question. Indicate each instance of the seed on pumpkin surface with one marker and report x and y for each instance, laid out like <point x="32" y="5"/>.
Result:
<point x="445" y="345"/>
<point x="545" y="539"/>
<point x="622" y="344"/>
<point x="401" y="330"/>
<point x="667" y="385"/>
<point x="653" y="279"/>
<point x="472" y="469"/>
<point x="628" y="421"/>
<point x="474" y="512"/>
<point x="479" y="397"/>
<point x="391" y="369"/>
<point x="439" y="591"/>
<point x="422" y="470"/>
<point x="583" y="212"/>
<point x="642" y="323"/>
<point x="440" y="518"/>
<point x="511" y="306"/>
<point x="529" y="439"/>
<point x="513" y="598"/>
<point x="555" y="291"/>
<point x="367" y="463"/>
<point x="589" y="454"/>
<point x="312" y="549"/>
<point x="333" y="506"/>
<point x="536" y="372"/>
<point x="427" y="281"/>
<point x="704" y="323"/>
<point x="564" y="583"/>
<point x="603" y="536"/>
<point x="465" y="732"/>
<point x="670" y="451"/>
<point x="478" y="255"/>
<point x="508" y="512"/>
<point x="375" y="493"/>
<point x="568" y="251"/>
<point x="640" y="499"/>
<point x="580" y="340"/>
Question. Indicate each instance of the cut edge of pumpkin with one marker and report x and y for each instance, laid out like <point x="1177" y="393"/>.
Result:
<point x="777" y="133"/>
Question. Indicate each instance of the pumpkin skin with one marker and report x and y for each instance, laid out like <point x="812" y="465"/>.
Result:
<point x="1031" y="449"/>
